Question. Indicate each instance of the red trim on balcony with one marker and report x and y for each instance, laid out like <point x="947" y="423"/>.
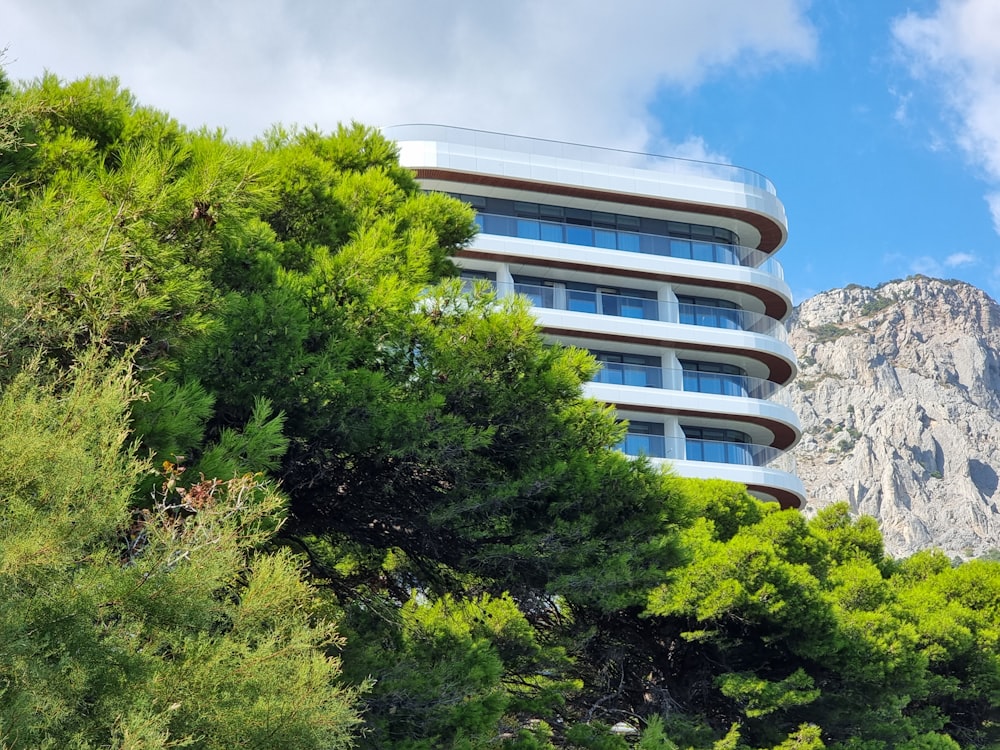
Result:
<point x="780" y="370"/>
<point x="787" y="500"/>
<point x="784" y="436"/>
<point x="772" y="233"/>
<point x="775" y="306"/>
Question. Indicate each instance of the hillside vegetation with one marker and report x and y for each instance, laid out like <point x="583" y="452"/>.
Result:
<point x="270" y="479"/>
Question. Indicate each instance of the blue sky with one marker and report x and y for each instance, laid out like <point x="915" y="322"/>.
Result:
<point x="866" y="155"/>
<point x="879" y="122"/>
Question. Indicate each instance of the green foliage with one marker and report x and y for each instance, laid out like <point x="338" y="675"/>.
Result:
<point x="452" y="672"/>
<point x="877" y="304"/>
<point x="760" y="697"/>
<point x="726" y="504"/>
<point x="654" y="736"/>
<point x="258" y="447"/>
<point x="280" y="314"/>
<point x="172" y="416"/>
<point x="931" y="741"/>
<point x="295" y="270"/>
<point x="731" y="741"/>
<point x="806" y="737"/>
<point x="825" y="332"/>
<point x="164" y="627"/>
<point x="594" y="736"/>
<point x="814" y="623"/>
<point x="847" y="537"/>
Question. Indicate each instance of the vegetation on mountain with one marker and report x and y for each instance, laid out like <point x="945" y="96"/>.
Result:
<point x="828" y="332"/>
<point x="271" y="478"/>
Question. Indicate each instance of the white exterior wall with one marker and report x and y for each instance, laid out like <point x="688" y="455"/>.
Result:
<point x="545" y="164"/>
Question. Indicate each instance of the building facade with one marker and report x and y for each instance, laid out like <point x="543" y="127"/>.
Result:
<point x="662" y="267"/>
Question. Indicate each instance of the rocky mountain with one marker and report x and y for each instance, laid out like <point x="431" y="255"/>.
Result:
<point x="899" y="397"/>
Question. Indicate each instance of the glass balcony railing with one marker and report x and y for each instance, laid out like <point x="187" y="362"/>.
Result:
<point x="652" y="446"/>
<point x="722" y="452"/>
<point x="714" y="451"/>
<point x="722" y="384"/>
<point x="620" y="373"/>
<point x="483" y="141"/>
<point x="642" y="308"/>
<point x="631" y="242"/>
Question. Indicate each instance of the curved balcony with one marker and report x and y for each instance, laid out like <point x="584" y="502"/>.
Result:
<point x="642" y="308"/>
<point x="452" y="159"/>
<point x="768" y="483"/>
<point x="600" y="265"/>
<point x="711" y="451"/>
<point x="630" y="242"/>
<point x="763" y="421"/>
<point x="718" y="384"/>
<point x="742" y="386"/>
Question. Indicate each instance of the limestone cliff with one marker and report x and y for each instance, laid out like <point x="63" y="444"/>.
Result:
<point x="899" y="397"/>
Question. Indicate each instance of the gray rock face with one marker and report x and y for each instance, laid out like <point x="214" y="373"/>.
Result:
<point x="899" y="397"/>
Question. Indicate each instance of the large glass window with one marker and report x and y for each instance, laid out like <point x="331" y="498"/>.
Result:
<point x="580" y="300"/>
<point x="630" y="242"/>
<point x="552" y="213"/>
<point x="644" y="439"/>
<point x="540" y="292"/>
<point x="619" y="368"/>
<point x="714" y="377"/>
<point x="627" y="303"/>
<point x="718" y="445"/>
<point x="589" y="298"/>
<point x="528" y="229"/>
<point x="578" y="226"/>
<point x="708" y="311"/>
<point x="551" y="232"/>
<point x="580" y="236"/>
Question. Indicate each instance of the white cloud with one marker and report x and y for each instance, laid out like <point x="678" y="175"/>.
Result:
<point x="583" y="71"/>
<point x="960" y="259"/>
<point x="925" y="265"/>
<point x="955" y="48"/>
<point x="901" y="113"/>
<point x="993" y="201"/>
<point x="900" y="265"/>
<point x="893" y="259"/>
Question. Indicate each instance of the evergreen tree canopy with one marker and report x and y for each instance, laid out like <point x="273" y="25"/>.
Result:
<point x="242" y="399"/>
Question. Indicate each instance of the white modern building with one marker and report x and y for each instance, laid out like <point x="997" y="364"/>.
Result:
<point x="661" y="267"/>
